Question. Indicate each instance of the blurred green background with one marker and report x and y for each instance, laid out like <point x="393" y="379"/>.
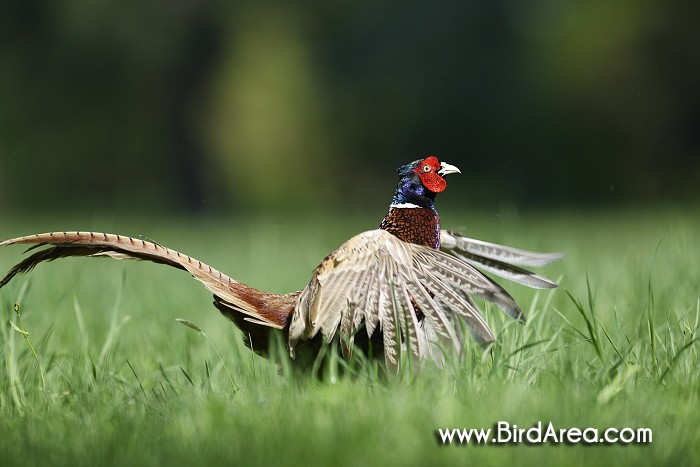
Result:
<point x="227" y="106"/>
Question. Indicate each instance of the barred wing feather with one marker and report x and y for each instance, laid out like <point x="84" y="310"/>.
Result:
<point x="503" y="261"/>
<point x="384" y="282"/>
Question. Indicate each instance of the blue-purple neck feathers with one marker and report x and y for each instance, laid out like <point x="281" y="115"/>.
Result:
<point x="410" y="190"/>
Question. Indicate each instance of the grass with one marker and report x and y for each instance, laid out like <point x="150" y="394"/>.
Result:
<point x="111" y="378"/>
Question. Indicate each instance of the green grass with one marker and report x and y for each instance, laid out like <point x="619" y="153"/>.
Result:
<point x="124" y="383"/>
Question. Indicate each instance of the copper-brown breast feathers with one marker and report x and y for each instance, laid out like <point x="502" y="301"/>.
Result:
<point x="414" y="225"/>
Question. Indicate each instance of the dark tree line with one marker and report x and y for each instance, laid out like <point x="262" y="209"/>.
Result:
<point x="192" y="105"/>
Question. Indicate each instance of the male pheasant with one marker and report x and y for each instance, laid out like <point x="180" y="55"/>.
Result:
<point x="409" y="283"/>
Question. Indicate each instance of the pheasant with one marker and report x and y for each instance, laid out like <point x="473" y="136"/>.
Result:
<point x="408" y="283"/>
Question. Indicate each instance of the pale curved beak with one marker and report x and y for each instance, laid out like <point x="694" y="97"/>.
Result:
<point x="446" y="168"/>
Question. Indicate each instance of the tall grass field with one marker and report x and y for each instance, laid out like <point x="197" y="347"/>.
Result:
<point x="97" y="366"/>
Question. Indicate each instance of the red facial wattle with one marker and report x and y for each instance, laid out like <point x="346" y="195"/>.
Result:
<point x="427" y="170"/>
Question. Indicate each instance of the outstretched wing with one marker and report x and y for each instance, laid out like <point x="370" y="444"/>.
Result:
<point x="503" y="261"/>
<point x="259" y="307"/>
<point x="376" y="279"/>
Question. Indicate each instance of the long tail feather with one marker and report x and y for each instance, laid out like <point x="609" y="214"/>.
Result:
<point x="269" y="309"/>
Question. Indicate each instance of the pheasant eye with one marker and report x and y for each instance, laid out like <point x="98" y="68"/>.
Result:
<point x="427" y="168"/>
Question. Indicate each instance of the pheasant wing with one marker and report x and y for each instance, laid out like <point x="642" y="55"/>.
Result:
<point x="378" y="279"/>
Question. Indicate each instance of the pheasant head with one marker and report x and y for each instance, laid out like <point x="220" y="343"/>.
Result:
<point x="420" y="181"/>
<point x="412" y="216"/>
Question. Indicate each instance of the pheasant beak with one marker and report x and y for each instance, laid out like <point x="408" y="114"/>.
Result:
<point x="446" y="168"/>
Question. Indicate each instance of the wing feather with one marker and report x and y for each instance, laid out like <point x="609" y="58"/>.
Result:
<point x="370" y="312"/>
<point x="453" y="241"/>
<point x="434" y="314"/>
<point x="411" y="293"/>
<point x="461" y="307"/>
<point x="413" y="332"/>
<point x="389" y="323"/>
<point x="469" y="280"/>
<point x="503" y="261"/>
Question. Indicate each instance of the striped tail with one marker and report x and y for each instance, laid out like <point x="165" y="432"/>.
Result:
<point x="231" y="296"/>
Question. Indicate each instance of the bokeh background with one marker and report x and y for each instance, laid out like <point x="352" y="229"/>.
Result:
<point x="225" y="106"/>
